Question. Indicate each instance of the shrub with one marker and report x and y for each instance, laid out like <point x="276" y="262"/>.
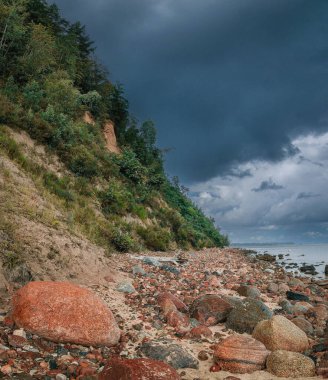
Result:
<point x="82" y="163"/>
<point x="122" y="241"/>
<point x="155" y="238"/>
<point x="92" y="100"/>
<point x="33" y="95"/>
<point x="131" y="167"/>
<point x="58" y="186"/>
<point x="116" y="199"/>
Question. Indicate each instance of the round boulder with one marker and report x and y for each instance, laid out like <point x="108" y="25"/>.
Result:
<point x="246" y="315"/>
<point x="66" y="313"/>
<point x="279" y="333"/>
<point x="137" y="369"/>
<point x="210" y="309"/>
<point x="290" y="364"/>
<point x="240" y="354"/>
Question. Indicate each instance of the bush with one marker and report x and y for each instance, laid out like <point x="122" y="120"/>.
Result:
<point x="131" y="167"/>
<point x="122" y="241"/>
<point x="33" y="95"/>
<point x="82" y="162"/>
<point x="92" y="100"/>
<point x="116" y="199"/>
<point x="155" y="238"/>
<point x="58" y="186"/>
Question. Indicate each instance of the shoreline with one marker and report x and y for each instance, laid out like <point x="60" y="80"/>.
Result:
<point x="227" y="273"/>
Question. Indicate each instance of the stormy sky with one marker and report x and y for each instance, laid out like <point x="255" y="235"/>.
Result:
<point x="238" y="90"/>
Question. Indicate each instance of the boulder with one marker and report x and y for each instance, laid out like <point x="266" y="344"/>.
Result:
<point x="304" y="325"/>
<point x="290" y="364"/>
<point x="249" y="291"/>
<point x="63" y="312"/>
<point x="294" y="296"/>
<point x="166" y="297"/>
<point x="246" y="315"/>
<point x="137" y="369"/>
<point x="279" y="333"/>
<point x="172" y="354"/>
<point x="240" y="354"/>
<point x="210" y="309"/>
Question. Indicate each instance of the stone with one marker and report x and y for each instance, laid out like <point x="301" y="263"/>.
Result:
<point x="170" y="268"/>
<point x="246" y="315"/>
<point x="286" y="306"/>
<point x="138" y="269"/>
<point x="267" y="257"/>
<point x="273" y="287"/>
<point x="308" y="269"/>
<point x="279" y="333"/>
<point x="66" y="313"/>
<point x="165" y="298"/>
<point x="240" y="354"/>
<point x="295" y="282"/>
<point x="304" y="325"/>
<point x="137" y="369"/>
<point x="172" y="354"/>
<point x="294" y="296"/>
<point x="125" y="287"/>
<point x="201" y="331"/>
<point x="151" y="261"/>
<point x="210" y="309"/>
<point x="249" y="291"/>
<point x="326" y="270"/>
<point x="290" y="364"/>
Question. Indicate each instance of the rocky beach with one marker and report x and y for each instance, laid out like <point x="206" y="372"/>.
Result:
<point x="214" y="314"/>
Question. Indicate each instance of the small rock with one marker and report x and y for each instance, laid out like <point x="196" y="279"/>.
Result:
<point x="202" y="355"/>
<point x="279" y="333"/>
<point x="151" y="261"/>
<point x="137" y="269"/>
<point x="290" y="364"/>
<point x="249" y="291"/>
<point x="172" y="354"/>
<point x="240" y="354"/>
<point x="137" y="369"/>
<point x="170" y="268"/>
<point x="201" y="331"/>
<point x="125" y="287"/>
<point x="61" y="376"/>
<point x="294" y="296"/>
<point x="304" y="325"/>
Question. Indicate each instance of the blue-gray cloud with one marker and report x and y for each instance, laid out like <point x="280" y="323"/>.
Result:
<point x="267" y="185"/>
<point x="225" y="81"/>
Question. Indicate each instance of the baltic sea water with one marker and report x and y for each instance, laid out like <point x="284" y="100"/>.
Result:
<point x="315" y="254"/>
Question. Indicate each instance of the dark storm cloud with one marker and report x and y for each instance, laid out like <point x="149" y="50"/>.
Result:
<point x="268" y="185"/>
<point x="226" y="81"/>
<point x="307" y="195"/>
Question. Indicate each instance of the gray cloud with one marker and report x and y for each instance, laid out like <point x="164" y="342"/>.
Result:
<point x="225" y="81"/>
<point x="267" y="185"/>
<point x="305" y="195"/>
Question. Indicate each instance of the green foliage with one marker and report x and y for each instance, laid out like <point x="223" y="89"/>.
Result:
<point x="92" y="100"/>
<point x="131" y="167"/>
<point x="122" y="241"/>
<point x="33" y="95"/>
<point x="59" y="186"/>
<point x="116" y="199"/>
<point x="48" y="78"/>
<point x="155" y="238"/>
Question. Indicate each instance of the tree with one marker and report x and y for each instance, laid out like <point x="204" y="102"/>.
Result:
<point x="40" y="56"/>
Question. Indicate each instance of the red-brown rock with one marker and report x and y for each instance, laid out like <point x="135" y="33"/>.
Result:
<point x="137" y="369"/>
<point x="63" y="312"/>
<point x="167" y="296"/>
<point x="240" y="354"/>
<point x="201" y="330"/>
<point x="210" y="309"/>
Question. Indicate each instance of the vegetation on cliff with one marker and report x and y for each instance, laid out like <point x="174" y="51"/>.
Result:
<point x="49" y="78"/>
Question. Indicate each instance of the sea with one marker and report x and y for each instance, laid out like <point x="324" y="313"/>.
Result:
<point x="315" y="254"/>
